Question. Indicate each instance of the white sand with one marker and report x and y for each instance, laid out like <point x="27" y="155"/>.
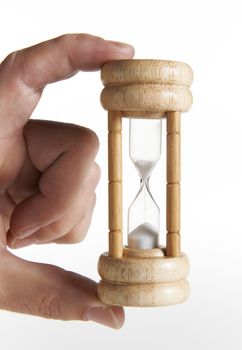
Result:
<point x="145" y="236"/>
<point x="144" y="168"/>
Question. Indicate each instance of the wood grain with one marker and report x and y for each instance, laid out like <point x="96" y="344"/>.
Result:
<point x="136" y="269"/>
<point x="146" y="71"/>
<point x="156" y="86"/>
<point x="115" y="184"/>
<point x="144" y="295"/>
<point x="173" y="184"/>
<point x="138" y="280"/>
<point x="146" y="97"/>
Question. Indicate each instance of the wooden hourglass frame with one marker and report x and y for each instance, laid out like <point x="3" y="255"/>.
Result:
<point x="144" y="89"/>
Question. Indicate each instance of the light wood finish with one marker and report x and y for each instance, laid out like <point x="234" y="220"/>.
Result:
<point x="115" y="184"/>
<point x="139" y="280"/>
<point x="151" y="97"/>
<point x="144" y="295"/>
<point x="146" y="85"/>
<point x="143" y="253"/>
<point x="144" y="89"/>
<point x="142" y="269"/>
<point x="146" y="71"/>
<point x="173" y="183"/>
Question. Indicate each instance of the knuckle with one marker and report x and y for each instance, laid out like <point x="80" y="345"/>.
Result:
<point x="94" y="200"/>
<point x="84" y="37"/>
<point x="64" y="37"/>
<point x="79" y="238"/>
<point x="49" y="307"/>
<point x="68" y="37"/>
<point x="95" y="174"/>
<point x="10" y="59"/>
<point x="97" y="170"/>
<point x="85" y="139"/>
<point x="92" y="139"/>
<point x="75" y="238"/>
<point x="76" y="235"/>
<point x="81" y="140"/>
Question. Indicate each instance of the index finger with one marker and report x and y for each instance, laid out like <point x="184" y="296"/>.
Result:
<point x="24" y="73"/>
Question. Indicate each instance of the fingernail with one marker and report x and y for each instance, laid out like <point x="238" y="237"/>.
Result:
<point x="27" y="232"/>
<point x="103" y="315"/>
<point x="122" y="46"/>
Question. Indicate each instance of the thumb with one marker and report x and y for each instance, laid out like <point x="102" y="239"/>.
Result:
<point x="51" y="292"/>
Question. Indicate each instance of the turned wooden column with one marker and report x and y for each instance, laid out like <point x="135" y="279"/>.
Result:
<point x="115" y="184"/>
<point x="173" y="175"/>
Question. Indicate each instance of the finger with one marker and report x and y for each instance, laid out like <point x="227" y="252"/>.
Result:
<point x="52" y="293"/>
<point x="25" y="73"/>
<point x="69" y="229"/>
<point x="79" y="231"/>
<point x="66" y="180"/>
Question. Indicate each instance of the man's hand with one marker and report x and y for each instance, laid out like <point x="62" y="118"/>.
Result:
<point x="47" y="181"/>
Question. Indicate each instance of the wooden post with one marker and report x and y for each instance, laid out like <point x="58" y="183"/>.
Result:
<point x="173" y="184"/>
<point x="115" y="184"/>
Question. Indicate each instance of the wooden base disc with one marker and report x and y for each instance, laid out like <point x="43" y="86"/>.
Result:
<point x="156" y="294"/>
<point x="143" y="278"/>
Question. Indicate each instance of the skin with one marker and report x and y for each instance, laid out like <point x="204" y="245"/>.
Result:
<point x="42" y="200"/>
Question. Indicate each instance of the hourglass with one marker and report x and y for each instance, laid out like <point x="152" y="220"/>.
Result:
<point x="144" y="273"/>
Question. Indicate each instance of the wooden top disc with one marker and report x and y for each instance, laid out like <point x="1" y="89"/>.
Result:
<point x="124" y="72"/>
<point x="136" y="87"/>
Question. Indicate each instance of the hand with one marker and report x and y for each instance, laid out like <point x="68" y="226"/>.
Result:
<point x="42" y="199"/>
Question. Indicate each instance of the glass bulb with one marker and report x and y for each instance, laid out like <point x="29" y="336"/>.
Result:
<point x="144" y="213"/>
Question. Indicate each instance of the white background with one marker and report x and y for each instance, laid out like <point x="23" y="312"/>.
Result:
<point x="207" y="35"/>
